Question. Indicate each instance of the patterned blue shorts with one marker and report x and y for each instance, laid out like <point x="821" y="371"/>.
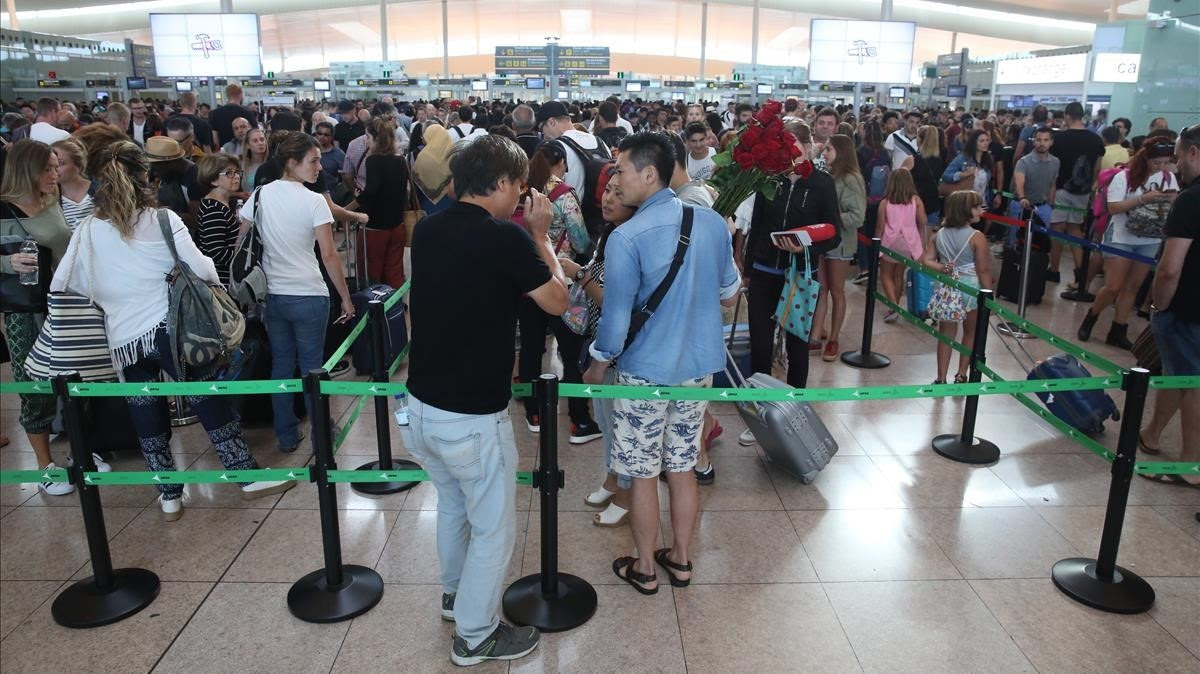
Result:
<point x="652" y="435"/>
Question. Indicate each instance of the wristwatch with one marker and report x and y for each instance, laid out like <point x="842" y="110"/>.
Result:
<point x="579" y="274"/>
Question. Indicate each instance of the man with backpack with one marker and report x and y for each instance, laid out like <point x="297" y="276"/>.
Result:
<point x="1079" y="152"/>
<point x="587" y="158"/>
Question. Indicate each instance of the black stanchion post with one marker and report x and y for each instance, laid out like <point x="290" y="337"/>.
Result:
<point x="108" y="595"/>
<point x="1099" y="582"/>
<point x="1081" y="294"/>
<point x="550" y="601"/>
<point x="383" y="430"/>
<point x="864" y="357"/>
<point x="965" y="447"/>
<point x="338" y="591"/>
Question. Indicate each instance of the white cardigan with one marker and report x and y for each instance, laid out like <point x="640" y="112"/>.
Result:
<point x="128" y="279"/>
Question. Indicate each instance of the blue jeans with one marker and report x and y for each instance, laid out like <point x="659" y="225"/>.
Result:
<point x="1178" y="344"/>
<point x="149" y="417"/>
<point x="472" y="461"/>
<point x="296" y="329"/>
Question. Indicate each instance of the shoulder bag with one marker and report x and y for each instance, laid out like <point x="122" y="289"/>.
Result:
<point x="204" y="323"/>
<point x="798" y="301"/>
<point x="16" y="297"/>
<point x="247" y="280"/>
<point x="413" y="215"/>
<point x="74" y="337"/>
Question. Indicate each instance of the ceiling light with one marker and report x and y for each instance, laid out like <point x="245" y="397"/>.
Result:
<point x="994" y="15"/>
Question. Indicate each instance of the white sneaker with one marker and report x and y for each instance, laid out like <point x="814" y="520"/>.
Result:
<point x="891" y="317"/>
<point x="266" y="488"/>
<point x="56" y="488"/>
<point x="172" y="509"/>
<point x="746" y="439"/>
<point x="101" y="465"/>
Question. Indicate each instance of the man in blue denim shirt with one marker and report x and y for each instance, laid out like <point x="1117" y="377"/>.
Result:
<point x="680" y="345"/>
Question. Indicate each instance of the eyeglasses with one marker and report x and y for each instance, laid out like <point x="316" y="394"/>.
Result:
<point x="323" y="133"/>
<point x="233" y="174"/>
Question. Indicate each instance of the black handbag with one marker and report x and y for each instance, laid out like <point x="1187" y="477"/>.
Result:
<point x="16" y="297"/>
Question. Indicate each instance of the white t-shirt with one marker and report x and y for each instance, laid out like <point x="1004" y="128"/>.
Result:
<point x="1118" y="190"/>
<point x="139" y="133"/>
<point x="894" y="146"/>
<point x="290" y="213"/>
<point x="466" y="131"/>
<point x="701" y="169"/>
<point x="47" y="133"/>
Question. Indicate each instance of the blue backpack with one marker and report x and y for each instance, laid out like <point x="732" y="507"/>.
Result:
<point x="879" y="169"/>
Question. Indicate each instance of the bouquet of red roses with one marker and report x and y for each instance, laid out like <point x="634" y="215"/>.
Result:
<point x="762" y="151"/>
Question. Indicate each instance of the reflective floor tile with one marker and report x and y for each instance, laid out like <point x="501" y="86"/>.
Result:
<point x="848" y="545"/>
<point x="1150" y="544"/>
<point x="288" y="544"/>
<point x="929" y="480"/>
<point x="584" y="550"/>
<point x="1057" y="480"/>
<point x="996" y="542"/>
<point x="410" y="555"/>
<point x="848" y="482"/>
<point x="19" y="598"/>
<point x="722" y="541"/>
<point x="1177" y="609"/>
<point x="49" y="543"/>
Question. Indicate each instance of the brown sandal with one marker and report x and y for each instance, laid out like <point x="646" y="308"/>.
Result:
<point x="634" y="578"/>
<point x="660" y="556"/>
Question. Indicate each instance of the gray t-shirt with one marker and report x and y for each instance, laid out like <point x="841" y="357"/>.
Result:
<point x="1039" y="176"/>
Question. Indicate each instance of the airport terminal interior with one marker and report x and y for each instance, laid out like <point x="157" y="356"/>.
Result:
<point x="887" y="492"/>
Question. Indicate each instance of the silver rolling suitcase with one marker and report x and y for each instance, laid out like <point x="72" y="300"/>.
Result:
<point x="791" y="434"/>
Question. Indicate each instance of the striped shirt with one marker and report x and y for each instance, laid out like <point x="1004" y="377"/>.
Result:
<point x="76" y="212"/>
<point x="216" y="236"/>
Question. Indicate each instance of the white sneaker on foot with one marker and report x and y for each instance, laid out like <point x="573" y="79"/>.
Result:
<point x="56" y="488"/>
<point x="890" y="317"/>
<point x="101" y="465"/>
<point x="172" y="509"/>
<point x="265" y="488"/>
<point x="746" y="439"/>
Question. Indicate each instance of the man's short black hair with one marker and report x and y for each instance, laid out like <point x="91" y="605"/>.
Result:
<point x="322" y="125"/>
<point x="694" y="128"/>
<point x="1074" y="110"/>
<point x="465" y="114"/>
<point x="382" y="109"/>
<point x="790" y="105"/>
<point x="479" y="166"/>
<point x="1111" y="135"/>
<point x="649" y="148"/>
<point x="178" y="123"/>
<point x="608" y="112"/>
<point x="890" y="114"/>
<point x="743" y="107"/>
<point x="914" y="113"/>
<point x="827" y="111"/>
<point x="1044" y="129"/>
<point x="680" y="151"/>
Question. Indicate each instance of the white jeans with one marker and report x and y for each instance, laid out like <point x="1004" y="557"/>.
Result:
<point x="472" y="461"/>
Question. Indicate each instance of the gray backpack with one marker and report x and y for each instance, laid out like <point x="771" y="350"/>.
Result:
<point x="204" y="323"/>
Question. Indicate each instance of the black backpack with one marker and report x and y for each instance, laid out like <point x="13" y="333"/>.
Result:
<point x="596" y="163"/>
<point x="1082" y="177"/>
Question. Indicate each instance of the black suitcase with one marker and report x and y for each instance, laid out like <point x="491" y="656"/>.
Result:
<point x="255" y="410"/>
<point x="395" y="338"/>
<point x="1009" y="285"/>
<point x="108" y="426"/>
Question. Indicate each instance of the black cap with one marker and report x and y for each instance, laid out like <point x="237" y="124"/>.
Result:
<point x="550" y="110"/>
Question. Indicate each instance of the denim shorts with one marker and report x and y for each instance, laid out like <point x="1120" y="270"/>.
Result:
<point x="1149" y="250"/>
<point x="1178" y="344"/>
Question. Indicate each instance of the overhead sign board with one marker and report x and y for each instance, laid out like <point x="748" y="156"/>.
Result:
<point x="1044" y="69"/>
<point x="200" y="45"/>
<point x="861" y="51"/>
<point x="536" y="60"/>
<point x="1116" y="67"/>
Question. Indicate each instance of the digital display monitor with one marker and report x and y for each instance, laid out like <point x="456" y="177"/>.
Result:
<point x="183" y="85"/>
<point x="956" y="91"/>
<point x="135" y="82"/>
<point x="678" y="96"/>
<point x="861" y="51"/>
<point x="764" y="89"/>
<point x="535" y="82"/>
<point x="101" y="95"/>
<point x="633" y="87"/>
<point x="479" y="85"/>
<point x="321" y="85"/>
<point x="445" y="93"/>
<point x="206" y="45"/>
<point x="897" y="92"/>
<point x="562" y="95"/>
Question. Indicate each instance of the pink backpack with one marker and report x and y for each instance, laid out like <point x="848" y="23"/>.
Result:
<point x="1100" y="201"/>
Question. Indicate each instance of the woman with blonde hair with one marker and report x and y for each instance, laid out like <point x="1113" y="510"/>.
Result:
<point x="255" y="154"/>
<point x="29" y="210"/>
<point x="120" y="258"/>
<point x="384" y="199"/>
<point x="74" y="188"/>
<point x="901" y="217"/>
<point x="927" y="167"/>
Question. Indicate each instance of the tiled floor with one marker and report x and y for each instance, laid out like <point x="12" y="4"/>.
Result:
<point x="894" y="560"/>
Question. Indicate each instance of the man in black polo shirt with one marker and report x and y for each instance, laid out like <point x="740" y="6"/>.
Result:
<point x="470" y="268"/>
<point x="1176" y="312"/>
<point x="222" y="117"/>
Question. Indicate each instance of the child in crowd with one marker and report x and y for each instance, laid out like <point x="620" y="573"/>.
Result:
<point x="961" y="251"/>
<point x="901" y="218"/>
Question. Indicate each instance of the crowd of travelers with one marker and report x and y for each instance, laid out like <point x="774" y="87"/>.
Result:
<point x="529" y="209"/>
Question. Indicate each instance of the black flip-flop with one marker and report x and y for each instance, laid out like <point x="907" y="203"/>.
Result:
<point x="1147" y="449"/>
<point x="1173" y="480"/>
<point x="633" y="577"/>
<point x="670" y="567"/>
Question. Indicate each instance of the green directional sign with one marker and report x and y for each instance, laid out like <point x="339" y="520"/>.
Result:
<point x="34" y="476"/>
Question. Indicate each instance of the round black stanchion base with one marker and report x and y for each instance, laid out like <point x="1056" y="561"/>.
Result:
<point x="313" y="600"/>
<point x="869" y="361"/>
<point x="377" y="488"/>
<point x="85" y="605"/>
<point x="1078" y="296"/>
<point x="575" y="603"/>
<point x="1126" y="593"/>
<point x="952" y="447"/>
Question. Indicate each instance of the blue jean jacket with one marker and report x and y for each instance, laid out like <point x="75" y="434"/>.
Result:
<point x="960" y="163"/>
